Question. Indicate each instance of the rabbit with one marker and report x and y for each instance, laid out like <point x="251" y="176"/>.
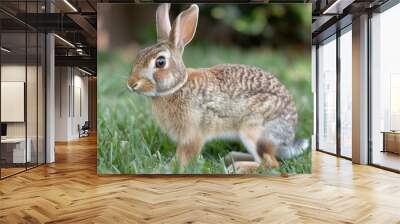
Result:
<point x="196" y="105"/>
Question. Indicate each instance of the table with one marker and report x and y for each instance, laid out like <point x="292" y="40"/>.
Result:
<point x="391" y="141"/>
<point x="13" y="150"/>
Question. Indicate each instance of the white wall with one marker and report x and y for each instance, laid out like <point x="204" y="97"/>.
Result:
<point x="33" y="126"/>
<point x="13" y="100"/>
<point x="11" y="72"/>
<point x="70" y="83"/>
<point x="17" y="73"/>
<point x="50" y="92"/>
<point x="80" y="93"/>
<point x="14" y="73"/>
<point x="62" y="81"/>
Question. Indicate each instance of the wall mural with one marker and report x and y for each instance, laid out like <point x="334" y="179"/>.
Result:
<point x="204" y="89"/>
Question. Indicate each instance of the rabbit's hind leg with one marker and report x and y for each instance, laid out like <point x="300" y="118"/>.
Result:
<point x="277" y="133"/>
<point x="266" y="149"/>
<point x="240" y="162"/>
<point x="246" y="162"/>
<point x="261" y="142"/>
<point x="237" y="156"/>
<point x="249" y="137"/>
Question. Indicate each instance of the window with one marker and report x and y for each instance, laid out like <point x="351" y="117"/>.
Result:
<point x="346" y="92"/>
<point x="327" y="96"/>
<point x="385" y="88"/>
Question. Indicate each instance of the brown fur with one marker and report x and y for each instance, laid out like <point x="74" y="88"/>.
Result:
<point x="186" y="151"/>
<point x="146" y="86"/>
<point x="133" y="80"/>
<point x="161" y="74"/>
<point x="266" y="149"/>
<point x="222" y="99"/>
<point x="196" y="105"/>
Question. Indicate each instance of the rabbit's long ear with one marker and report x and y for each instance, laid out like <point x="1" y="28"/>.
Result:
<point x="184" y="27"/>
<point x="162" y="22"/>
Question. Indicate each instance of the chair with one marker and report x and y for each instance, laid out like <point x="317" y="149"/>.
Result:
<point x="84" y="130"/>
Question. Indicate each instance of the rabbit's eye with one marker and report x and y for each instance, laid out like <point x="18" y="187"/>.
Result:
<point x="160" y="62"/>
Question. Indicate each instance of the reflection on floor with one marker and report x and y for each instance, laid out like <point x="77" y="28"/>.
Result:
<point x="386" y="159"/>
<point x="10" y="171"/>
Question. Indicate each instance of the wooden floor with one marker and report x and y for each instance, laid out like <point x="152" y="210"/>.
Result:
<point x="387" y="159"/>
<point x="10" y="171"/>
<point x="70" y="191"/>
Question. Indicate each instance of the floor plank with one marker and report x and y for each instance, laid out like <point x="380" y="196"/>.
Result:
<point x="69" y="191"/>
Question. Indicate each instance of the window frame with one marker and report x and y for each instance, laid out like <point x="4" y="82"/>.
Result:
<point x="381" y="9"/>
<point x="336" y="35"/>
<point x="29" y="29"/>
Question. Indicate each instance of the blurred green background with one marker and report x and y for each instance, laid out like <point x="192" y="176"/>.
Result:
<point x="274" y="37"/>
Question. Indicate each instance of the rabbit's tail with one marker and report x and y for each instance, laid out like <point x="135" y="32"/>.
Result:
<point x="298" y="147"/>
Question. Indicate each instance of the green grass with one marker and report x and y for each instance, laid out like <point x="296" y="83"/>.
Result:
<point x="130" y="141"/>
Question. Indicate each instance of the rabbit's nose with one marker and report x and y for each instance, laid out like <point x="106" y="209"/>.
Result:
<point x="132" y="86"/>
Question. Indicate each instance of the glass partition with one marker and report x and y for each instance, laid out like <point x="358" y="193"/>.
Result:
<point x="346" y="93"/>
<point x="41" y="109"/>
<point x="385" y="89"/>
<point x="327" y="95"/>
<point x="32" y="95"/>
<point x="14" y="153"/>
<point x="22" y="95"/>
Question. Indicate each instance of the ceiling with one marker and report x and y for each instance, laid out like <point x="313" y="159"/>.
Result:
<point x="73" y="21"/>
<point x="331" y="15"/>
